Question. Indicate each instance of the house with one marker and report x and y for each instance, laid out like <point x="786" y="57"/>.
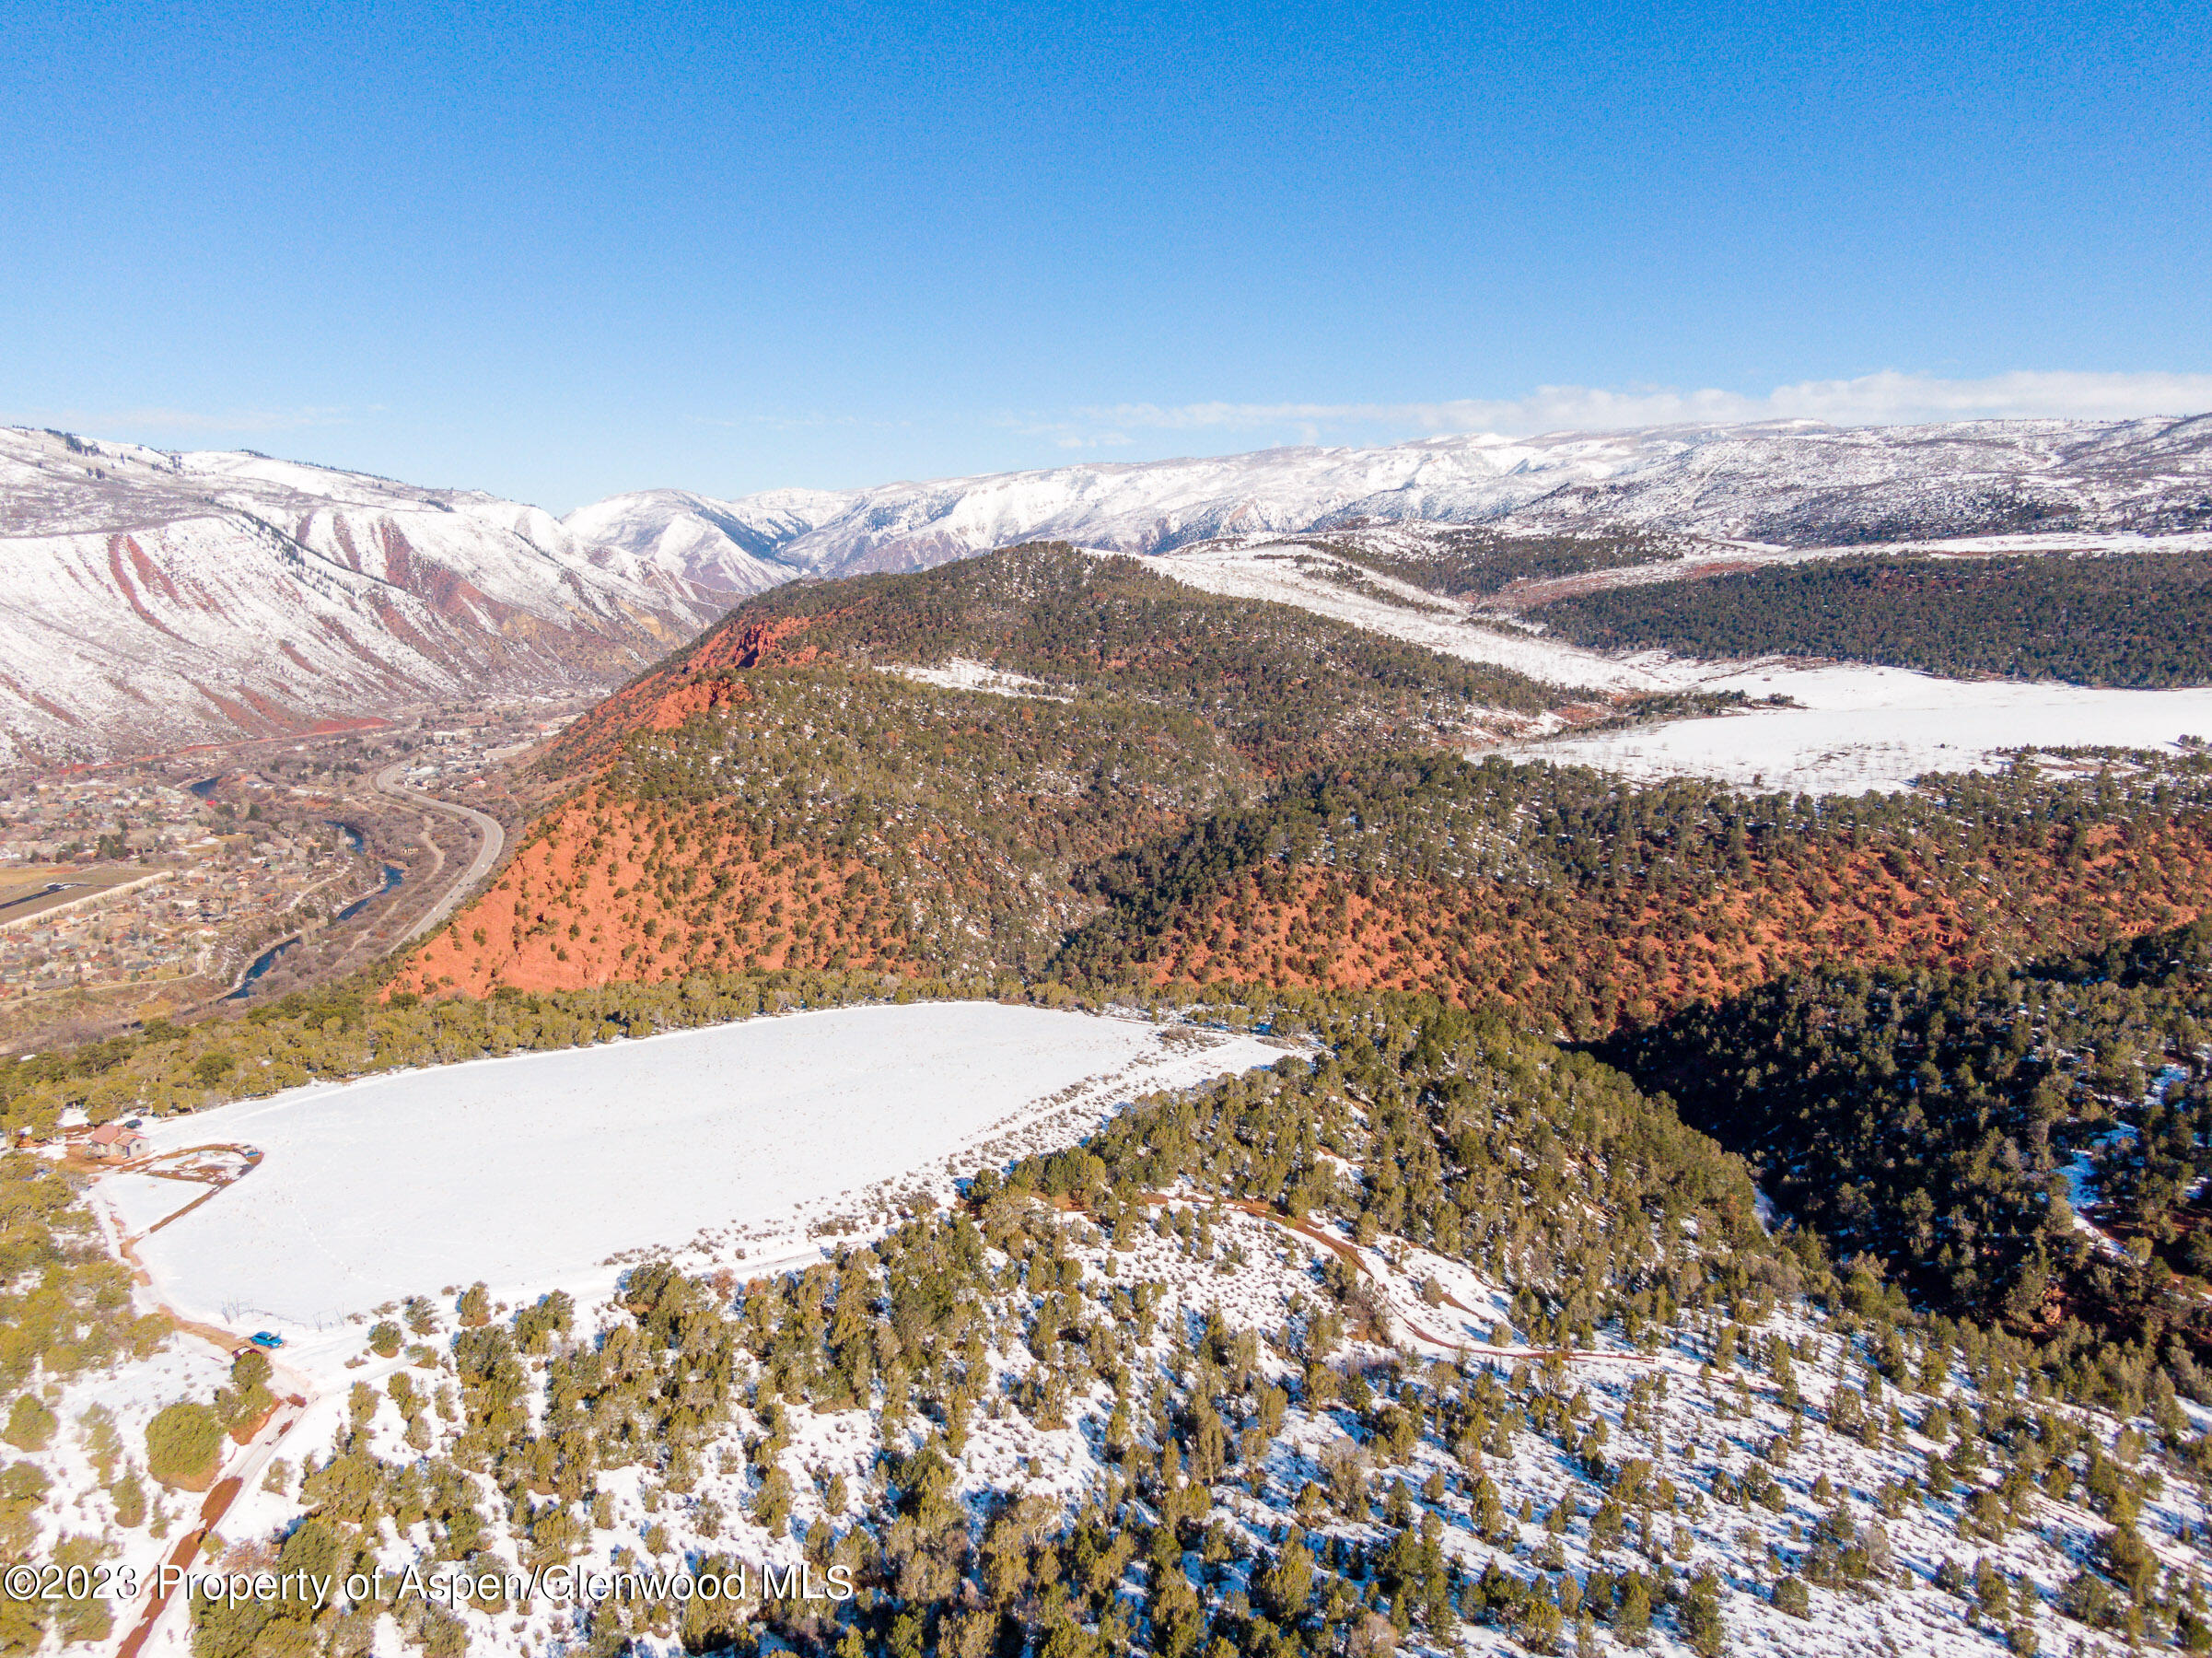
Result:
<point x="117" y="1142"/>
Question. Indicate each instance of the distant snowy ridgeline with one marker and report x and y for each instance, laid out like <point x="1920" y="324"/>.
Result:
<point x="529" y="1173"/>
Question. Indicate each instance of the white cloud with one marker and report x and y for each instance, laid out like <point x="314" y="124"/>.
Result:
<point x="1889" y="398"/>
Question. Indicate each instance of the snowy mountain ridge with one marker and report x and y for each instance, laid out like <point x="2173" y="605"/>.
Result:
<point x="726" y="546"/>
<point x="1787" y="482"/>
<point x="149" y="599"/>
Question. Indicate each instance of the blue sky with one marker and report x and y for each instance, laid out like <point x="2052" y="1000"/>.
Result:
<point x="560" y="250"/>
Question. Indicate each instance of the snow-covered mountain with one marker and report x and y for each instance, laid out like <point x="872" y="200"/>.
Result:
<point x="1793" y="482"/>
<point x="1799" y="485"/>
<point x="149" y="599"/>
<point x="726" y="547"/>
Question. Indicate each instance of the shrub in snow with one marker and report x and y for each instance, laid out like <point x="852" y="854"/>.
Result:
<point x="1700" y="1617"/>
<point x="102" y="1444"/>
<point x="551" y="1315"/>
<point x="29" y="1425"/>
<point x="475" y="1307"/>
<point x="1285" y="1587"/>
<point x="1633" y="1621"/>
<point x="2131" y="1560"/>
<point x="21" y="1489"/>
<point x="181" y="1445"/>
<point x="772" y="1503"/>
<point x="248" y="1399"/>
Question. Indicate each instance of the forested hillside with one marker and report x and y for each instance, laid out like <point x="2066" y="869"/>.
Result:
<point x="1284" y="686"/>
<point x="1474" y="562"/>
<point x="1939" y="1120"/>
<point x="2109" y="619"/>
<point x="1138" y="780"/>
<point x="1659" y="1216"/>
<point x="916" y="770"/>
<point x="1585" y="903"/>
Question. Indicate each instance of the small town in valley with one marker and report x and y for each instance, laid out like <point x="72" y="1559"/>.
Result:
<point x="156" y="887"/>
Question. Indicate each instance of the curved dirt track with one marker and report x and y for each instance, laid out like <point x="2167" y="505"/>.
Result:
<point x="253" y="1457"/>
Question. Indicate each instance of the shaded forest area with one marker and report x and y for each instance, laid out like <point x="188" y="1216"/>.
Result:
<point x="1937" y="1122"/>
<point x="2109" y="619"/>
<point x="1586" y="904"/>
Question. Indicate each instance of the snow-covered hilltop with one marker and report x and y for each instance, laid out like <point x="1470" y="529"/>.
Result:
<point x="1791" y="483"/>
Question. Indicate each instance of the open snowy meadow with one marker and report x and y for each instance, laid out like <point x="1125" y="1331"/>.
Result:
<point x="1854" y="727"/>
<point x="1857" y="727"/>
<point x="552" y="1169"/>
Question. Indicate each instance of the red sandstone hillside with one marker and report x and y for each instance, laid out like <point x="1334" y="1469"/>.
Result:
<point x="773" y="797"/>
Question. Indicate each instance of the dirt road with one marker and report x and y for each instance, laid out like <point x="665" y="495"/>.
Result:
<point x="244" y="1463"/>
<point x="240" y="1472"/>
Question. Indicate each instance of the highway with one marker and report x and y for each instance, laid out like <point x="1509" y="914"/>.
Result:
<point x="492" y="841"/>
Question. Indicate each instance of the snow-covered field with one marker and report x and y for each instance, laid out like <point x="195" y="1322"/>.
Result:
<point x="1862" y="727"/>
<point x="1290" y="573"/>
<point x="541" y="1170"/>
<point x="1856" y="727"/>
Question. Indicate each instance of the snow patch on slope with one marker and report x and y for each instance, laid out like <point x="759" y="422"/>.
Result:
<point x="960" y="673"/>
<point x="1296" y="574"/>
